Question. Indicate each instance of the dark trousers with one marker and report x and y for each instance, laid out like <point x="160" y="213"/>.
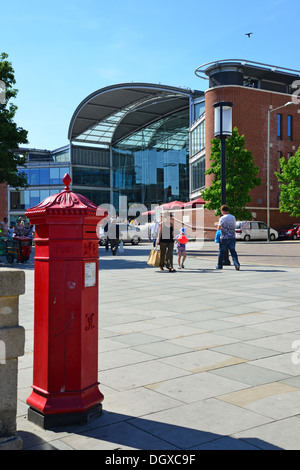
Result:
<point x="227" y="243"/>
<point x="114" y="245"/>
<point x="166" y="254"/>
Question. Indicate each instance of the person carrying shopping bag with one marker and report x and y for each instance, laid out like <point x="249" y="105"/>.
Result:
<point x="166" y="242"/>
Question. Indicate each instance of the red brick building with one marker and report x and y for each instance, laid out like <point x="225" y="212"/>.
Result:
<point x="254" y="90"/>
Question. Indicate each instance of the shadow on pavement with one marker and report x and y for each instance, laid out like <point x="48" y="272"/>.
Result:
<point x="141" y="434"/>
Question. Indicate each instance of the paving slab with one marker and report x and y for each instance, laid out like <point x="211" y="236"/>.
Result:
<point x="197" y="359"/>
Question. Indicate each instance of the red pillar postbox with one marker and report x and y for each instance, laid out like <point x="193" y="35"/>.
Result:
<point x="65" y="370"/>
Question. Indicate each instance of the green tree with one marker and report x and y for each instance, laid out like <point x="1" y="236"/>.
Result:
<point x="241" y="176"/>
<point x="289" y="184"/>
<point x="11" y="136"/>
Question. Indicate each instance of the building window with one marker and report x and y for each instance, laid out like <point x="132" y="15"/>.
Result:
<point x="45" y="176"/>
<point x="198" y="138"/>
<point x="198" y="174"/>
<point x="199" y="109"/>
<point x="57" y="174"/>
<point x="97" y="197"/>
<point x="290" y="128"/>
<point x="24" y="199"/>
<point x="91" y="177"/>
<point x="279" y="126"/>
<point x="34" y="177"/>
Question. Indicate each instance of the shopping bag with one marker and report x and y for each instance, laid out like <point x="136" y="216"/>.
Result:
<point x="154" y="258"/>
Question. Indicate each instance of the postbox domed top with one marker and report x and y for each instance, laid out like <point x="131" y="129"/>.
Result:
<point x="65" y="203"/>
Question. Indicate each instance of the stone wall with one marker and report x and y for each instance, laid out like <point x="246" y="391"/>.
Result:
<point x="12" y="339"/>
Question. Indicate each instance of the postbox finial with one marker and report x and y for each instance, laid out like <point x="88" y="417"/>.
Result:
<point x="67" y="180"/>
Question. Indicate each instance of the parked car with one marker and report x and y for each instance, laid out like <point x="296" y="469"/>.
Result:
<point x="254" y="230"/>
<point x="128" y="234"/>
<point x="291" y="232"/>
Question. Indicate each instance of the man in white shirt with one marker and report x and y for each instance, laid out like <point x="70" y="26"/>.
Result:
<point x="227" y="225"/>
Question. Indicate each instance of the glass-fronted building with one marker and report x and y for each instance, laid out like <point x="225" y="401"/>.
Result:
<point x="152" y="165"/>
<point x="150" y="143"/>
<point x="45" y="170"/>
<point x="141" y="134"/>
<point x="128" y="140"/>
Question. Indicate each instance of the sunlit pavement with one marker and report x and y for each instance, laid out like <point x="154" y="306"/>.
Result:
<point x="197" y="359"/>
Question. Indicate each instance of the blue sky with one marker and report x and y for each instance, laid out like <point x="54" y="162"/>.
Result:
<point x="62" y="51"/>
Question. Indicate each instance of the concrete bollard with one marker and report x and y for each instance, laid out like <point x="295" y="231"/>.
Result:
<point x="12" y="339"/>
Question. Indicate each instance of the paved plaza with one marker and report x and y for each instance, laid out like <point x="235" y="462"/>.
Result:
<point x="197" y="359"/>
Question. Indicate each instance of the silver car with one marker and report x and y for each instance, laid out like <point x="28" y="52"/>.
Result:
<point x="127" y="233"/>
<point x="254" y="230"/>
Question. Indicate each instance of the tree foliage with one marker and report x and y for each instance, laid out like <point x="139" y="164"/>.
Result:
<point x="11" y="136"/>
<point x="241" y="176"/>
<point x="289" y="184"/>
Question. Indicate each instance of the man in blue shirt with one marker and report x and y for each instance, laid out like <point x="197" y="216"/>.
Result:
<point x="227" y="225"/>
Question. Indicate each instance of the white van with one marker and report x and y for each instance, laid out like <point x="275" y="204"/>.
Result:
<point x="254" y="230"/>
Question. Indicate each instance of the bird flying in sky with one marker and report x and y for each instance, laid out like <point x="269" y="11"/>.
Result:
<point x="248" y="34"/>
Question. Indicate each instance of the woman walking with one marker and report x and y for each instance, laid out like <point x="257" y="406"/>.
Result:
<point x="166" y="242"/>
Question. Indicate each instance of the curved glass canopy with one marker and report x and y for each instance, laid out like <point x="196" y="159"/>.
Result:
<point x="114" y="113"/>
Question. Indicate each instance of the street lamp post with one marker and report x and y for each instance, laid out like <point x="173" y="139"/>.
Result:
<point x="223" y="129"/>
<point x="268" y="165"/>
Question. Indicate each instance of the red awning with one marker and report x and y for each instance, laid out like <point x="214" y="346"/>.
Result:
<point x="172" y="205"/>
<point x="149" y="212"/>
<point x="194" y="202"/>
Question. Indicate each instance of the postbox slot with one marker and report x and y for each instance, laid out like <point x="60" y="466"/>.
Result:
<point x="89" y="232"/>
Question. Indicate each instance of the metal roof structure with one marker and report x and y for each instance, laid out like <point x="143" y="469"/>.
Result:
<point x="257" y="70"/>
<point x="116" y="112"/>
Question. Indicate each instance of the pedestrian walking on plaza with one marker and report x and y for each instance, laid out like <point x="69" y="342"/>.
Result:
<point x="227" y="225"/>
<point x="166" y="242"/>
<point x="181" y="240"/>
<point x="19" y="228"/>
<point x="114" y="237"/>
<point x="154" y="231"/>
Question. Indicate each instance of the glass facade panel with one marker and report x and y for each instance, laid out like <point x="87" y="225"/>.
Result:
<point x="199" y="109"/>
<point x="151" y="166"/>
<point x="44" y="176"/>
<point x="34" y="177"/>
<point x="24" y="199"/>
<point x="63" y="156"/>
<point x="97" y="197"/>
<point x="27" y="199"/>
<point x="198" y="174"/>
<point x="198" y="138"/>
<point x="44" y="193"/>
<point x="62" y="171"/>
<point x="91" y="176"/>
<point x="34" y="198"/>
<point x="54" y="176"/>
